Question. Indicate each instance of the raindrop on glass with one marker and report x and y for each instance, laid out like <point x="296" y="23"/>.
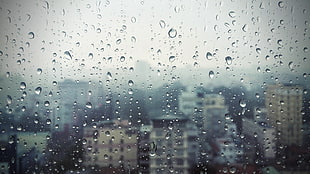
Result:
<point x="46" y="103"/>
<point x="107" y="133"/>
<point x="171" y="58"/>
<point x="242" y="103"/>
<point x="9" y="99"/>
<point x="8" y="74"/>
<point x="39" y="71"/>
<point x="211" y="74"/>
<point x="209" y="55"/>
<point x="130" y="83"/>
<point x="118" y="41"/>
<point x="122" y="58"/>
<point x="109" y="75"/>
<point x="281" y="4"/>
<point x="31" y="35"/>
<point x="133" y="20"/>
<point x="38" y="90"/>
<point x="172" y="33"/>
<point x="67" y="55"/>
<point x="22" y="85"/>
<point x="245" y="28"/>
<point x="48" y="121"/>
<point x="232" y="14"/>
<point x="228" y="60"/>
<point x="290" y="65"/>
<point x="89" y="105"/>
<point x="133" y="39"/>
<point x="162" y="24"/>
<point x="90" y="55"/>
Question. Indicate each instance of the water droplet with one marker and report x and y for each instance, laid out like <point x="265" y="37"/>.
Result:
<point x="31" y="35"/>
<point x="107" y="133"/>
<point x="105" y="156"/>
<point x="9" y="99"/>
<point x="211" y="74"/>
<point x="122" y="58"/>
<point x="38" y="90"/>
<point x="8" y="74"/>
<point x="258" y="50"/>
<point x="19" y="127"/>
<point x="109" y="75"/>
<point x="133" y="20"/>
<point x="162" y="24"/>
<point x="22" y="85"/>
<point x="48" y="121"/>
<point x="209" y="55"/>
<point x="258" y="69"/>
<point x="233" y="169"/>
<point x="46" y="103"/>
<point x="242" y="103"/>
<point x="54" y="83"/>
<point x="67" y="55"/>
<point x="90" y="55"/>
<point x="168" y="135"/>
<point x="89" y="105"/>
<point x="130" y="83"/>
<point x="196" y="64"/>
<point x="177" y="9"/>
<point x="172" y="33"/>
<point x="290" y="65"/>
<point x="133" y="39"/>
<point x="118" y="41"/>
<point x="39" y="71"/>
<point x="228" y="60"/>
<point x="108" y="101"/>
<point x="245" y="28"/>
<point x="232" y="14"/>
<point x="281" y="4"/>
<point x="261" y="5"/>
<point x="306" y="49"/>
<point x="257" y="95"/>
<point x="130" y="91"/>
<point x="171" y="58"/>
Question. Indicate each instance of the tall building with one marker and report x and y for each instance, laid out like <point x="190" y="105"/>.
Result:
<point x="171" y="138"/>
<point x="111" y="145"/>
<point x="259" y="139"/>
<point x="71" y="95"/>
<point x="214" y="111"/>
<point x="190" y="102"/>
<point x="144" y="146"/>
<point x="284" y="105"/>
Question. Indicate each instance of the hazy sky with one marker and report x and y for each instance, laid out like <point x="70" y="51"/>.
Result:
<point x="87" y="39"/>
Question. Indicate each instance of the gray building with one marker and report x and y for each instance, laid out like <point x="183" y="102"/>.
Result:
<point x="174" y="141"/>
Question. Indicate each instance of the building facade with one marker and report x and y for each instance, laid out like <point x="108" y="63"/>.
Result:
<point x="284" y="106"/>
<point x="170" y="150"/>
<point x="111" y="145"/>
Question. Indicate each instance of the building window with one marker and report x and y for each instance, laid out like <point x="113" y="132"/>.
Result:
<point x="179" y="161"/>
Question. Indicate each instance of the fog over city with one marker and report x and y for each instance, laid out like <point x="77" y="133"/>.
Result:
<point x="86" y="40"/>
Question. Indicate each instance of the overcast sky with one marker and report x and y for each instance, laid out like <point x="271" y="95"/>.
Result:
<point x="87" y="39"/>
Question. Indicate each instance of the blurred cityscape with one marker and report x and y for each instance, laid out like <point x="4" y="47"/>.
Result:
<point x="85" y="127"/>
